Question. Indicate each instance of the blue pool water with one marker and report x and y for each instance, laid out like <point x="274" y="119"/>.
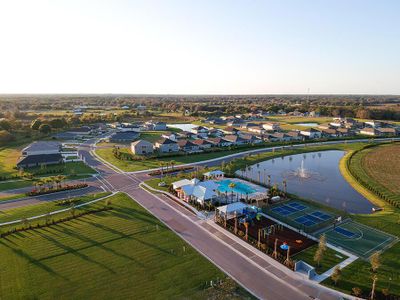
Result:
<point x="240" y="187"/>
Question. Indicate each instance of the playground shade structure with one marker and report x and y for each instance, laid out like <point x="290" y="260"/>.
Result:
<point x="301" y="215"/>
<point x="283" y="234"/>
<point x="358" y="239"/>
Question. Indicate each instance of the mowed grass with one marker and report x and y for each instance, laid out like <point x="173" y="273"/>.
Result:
<point x="382" y="164"/>
<point x="122" y="253"/>
<point x="358" y="274"/>
<point x="8" y="160"/>
<point x="44" y="208"/>
<point x="330" y="258"/>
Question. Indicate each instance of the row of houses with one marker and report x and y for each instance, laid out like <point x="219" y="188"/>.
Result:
<point x="139" y="126"/>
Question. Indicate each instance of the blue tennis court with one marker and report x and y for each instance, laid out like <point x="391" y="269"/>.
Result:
<point x="286" y="210"/>
<point x="304" y="221"/>
<point x="301" y="215"/>
<point x="321" y="215"/>
<point x="346" y="233"/>
<point x="297" y="206"/>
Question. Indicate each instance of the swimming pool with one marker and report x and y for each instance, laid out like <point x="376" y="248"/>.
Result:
<point x="240" y="187"/>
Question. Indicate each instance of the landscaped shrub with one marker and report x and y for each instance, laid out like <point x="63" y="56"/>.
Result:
<point x="45" y="191"/>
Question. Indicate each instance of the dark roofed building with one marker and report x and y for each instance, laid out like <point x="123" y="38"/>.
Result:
<point x="124" y="137"/>
<point x="39" y="160"/>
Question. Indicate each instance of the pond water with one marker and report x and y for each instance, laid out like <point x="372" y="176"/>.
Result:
<point x="315" y="176"/>
<point x="184" y="127"/>
<point x="307" y="124"/>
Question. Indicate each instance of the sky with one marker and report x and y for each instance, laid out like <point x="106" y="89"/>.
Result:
<point x="200" y="47"/>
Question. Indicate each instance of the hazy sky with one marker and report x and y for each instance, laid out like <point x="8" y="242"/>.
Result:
<point x="189" y="47"/>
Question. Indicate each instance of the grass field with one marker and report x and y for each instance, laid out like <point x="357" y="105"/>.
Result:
<point x="378" y="164"/>
<point x="122" y="253"/>
<point x="43" y="208"/>
<point x="330" y="259"/>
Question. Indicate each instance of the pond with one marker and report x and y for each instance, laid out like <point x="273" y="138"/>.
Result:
<point x="184" y="127"/>
<point x="315" y="176"/>
<point x="307" y="124"/>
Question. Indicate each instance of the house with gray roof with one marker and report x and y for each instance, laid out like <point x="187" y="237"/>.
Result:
<point x="166" y="146"/>
<point x="42" y="147"/>
<point x="124" y="137"/>
<point x="142" y="147"/>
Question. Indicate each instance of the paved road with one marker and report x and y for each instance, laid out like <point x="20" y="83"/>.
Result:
<point x="10" y="204"/>
<point x="262" y="276"/>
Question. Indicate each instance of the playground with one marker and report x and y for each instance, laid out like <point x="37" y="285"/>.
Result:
<point x="358" y="239"/>
<point x="301" y="215"/>
<point x="263" y="230"/>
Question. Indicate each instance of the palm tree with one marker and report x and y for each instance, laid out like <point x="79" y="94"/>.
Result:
<point x="246" y="225"/>
<point x="161" y="164"/>
<point x="173" y="163"/>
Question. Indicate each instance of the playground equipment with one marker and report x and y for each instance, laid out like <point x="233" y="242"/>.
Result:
<point x="284" y="246"/>
<point x="250" y="213"/>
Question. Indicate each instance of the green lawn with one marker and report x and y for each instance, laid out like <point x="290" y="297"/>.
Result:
<point x="330" y="259"/>
<point x="12" y="197"/>
<point x="122" y="253"/>
<point x="43" y="208"/>
<point x="70" y="168"/>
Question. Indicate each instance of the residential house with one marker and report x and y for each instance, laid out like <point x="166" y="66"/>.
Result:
<point x="344" y="132"/>
<point x="327" y="126"/>
<point x="279" y="136"/>
<point x="187" y="135"/>
<point x="271" y="126"/>
<point x="142" y="147"/>
<point x="124" y="137"/>
<point x="38" y="160"/>
<point x="369" y="131"/>
<point x="215" y="132"/>
<point x="203" y="144"/>
<point x="81" y="131"/>
<point x="201" y="131"/>
<point x="42" y="147"/>
<point x="166" y="146"/>
<point x="156" y="126"/>
<point x="330" y="132"/>
<point x="311" y="133"/>
<point x="236" y="140"/>
<point x="389" y="131"/>
<point x="188" y="146"/>
<point x="170" y="135"/>
<point x="256" y="129"/>
<point x="230" y="130"/>
<point x="295" y="135"/>
<point x="251" y="139"/>
<point x="246" y="126"/>
<point x="235" y="122"/>
<point x="220" y="142"/>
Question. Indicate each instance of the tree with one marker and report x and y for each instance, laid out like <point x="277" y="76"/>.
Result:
<point x="58" y="123"/>
<point x="36" y="124"/>
<point x="319" y="254"/>
<point x="5" y="124"/>
<point x="375" y="261"/>
<point x="357" y="291"/>
<point x="5" y="137"/>
<point x="45" y="128"/>
<point x="337" y="272"/>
